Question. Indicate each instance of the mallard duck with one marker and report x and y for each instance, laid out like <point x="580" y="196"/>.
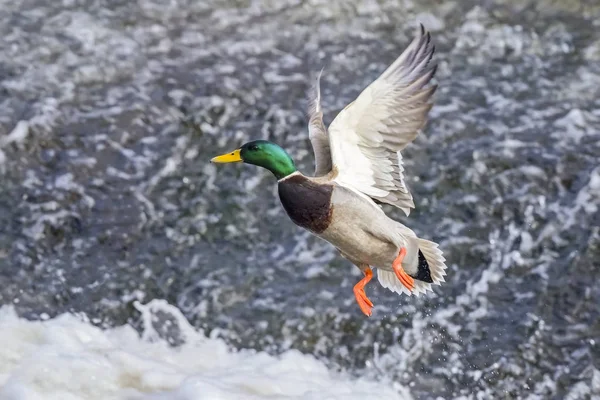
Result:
<point x="358" y="168"/>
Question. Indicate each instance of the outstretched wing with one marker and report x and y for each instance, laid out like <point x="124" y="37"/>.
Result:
<point x="367" y="136"/>
<point x="318" y="133"/>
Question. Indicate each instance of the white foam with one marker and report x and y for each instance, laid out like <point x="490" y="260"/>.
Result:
<point x="17" y="135"/>
<point x="68" y="358"/>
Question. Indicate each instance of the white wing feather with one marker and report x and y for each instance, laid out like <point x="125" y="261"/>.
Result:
<point x="367" y="136"/>
<point x="317" y="132"/>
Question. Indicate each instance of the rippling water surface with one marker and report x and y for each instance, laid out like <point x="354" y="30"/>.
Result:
<point x="111" y="110"/>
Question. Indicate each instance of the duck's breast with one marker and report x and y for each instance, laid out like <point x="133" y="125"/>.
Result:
<point x="308" y="204"/>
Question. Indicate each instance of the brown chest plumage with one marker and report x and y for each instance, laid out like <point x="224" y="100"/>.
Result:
<point x="306" y="203"/>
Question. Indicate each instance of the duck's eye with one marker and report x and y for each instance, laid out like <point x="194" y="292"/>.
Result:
<point x="253" y="147"/>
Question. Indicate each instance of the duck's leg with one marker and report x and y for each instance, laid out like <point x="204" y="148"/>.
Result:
<point x="359" y="290"/>
<point x="401" y="274"/>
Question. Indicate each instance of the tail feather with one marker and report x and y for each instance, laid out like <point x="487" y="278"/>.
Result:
<point x="431" y="271"/>
<point x="423" y="272"/>
<point x="435" y="260"/>
<point x="388" y="280"/>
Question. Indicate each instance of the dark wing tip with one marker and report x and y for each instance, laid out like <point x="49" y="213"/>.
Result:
<point x="433" y="70"/>
<point x="434" y="89"/>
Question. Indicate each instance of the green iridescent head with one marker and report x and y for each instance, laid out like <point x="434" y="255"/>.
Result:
<point x="264" y="154"/>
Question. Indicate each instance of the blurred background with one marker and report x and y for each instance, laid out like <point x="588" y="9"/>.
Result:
<point x="111" y="110"/>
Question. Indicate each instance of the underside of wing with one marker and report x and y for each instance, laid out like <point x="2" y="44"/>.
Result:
<point x="317" y="132"/>
<point x="367" y="136"/>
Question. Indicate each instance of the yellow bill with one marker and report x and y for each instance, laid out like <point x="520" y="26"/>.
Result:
<point x="234" y="156"/>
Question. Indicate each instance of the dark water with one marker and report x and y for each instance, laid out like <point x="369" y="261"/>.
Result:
<point x="107" y="195"/>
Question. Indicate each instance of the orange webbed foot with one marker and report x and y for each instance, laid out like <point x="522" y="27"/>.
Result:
<point x="401" y="274"/>
<point x="363" y="301"/>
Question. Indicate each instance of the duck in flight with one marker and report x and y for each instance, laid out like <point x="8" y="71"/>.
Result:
<point x="358" y="167"/>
